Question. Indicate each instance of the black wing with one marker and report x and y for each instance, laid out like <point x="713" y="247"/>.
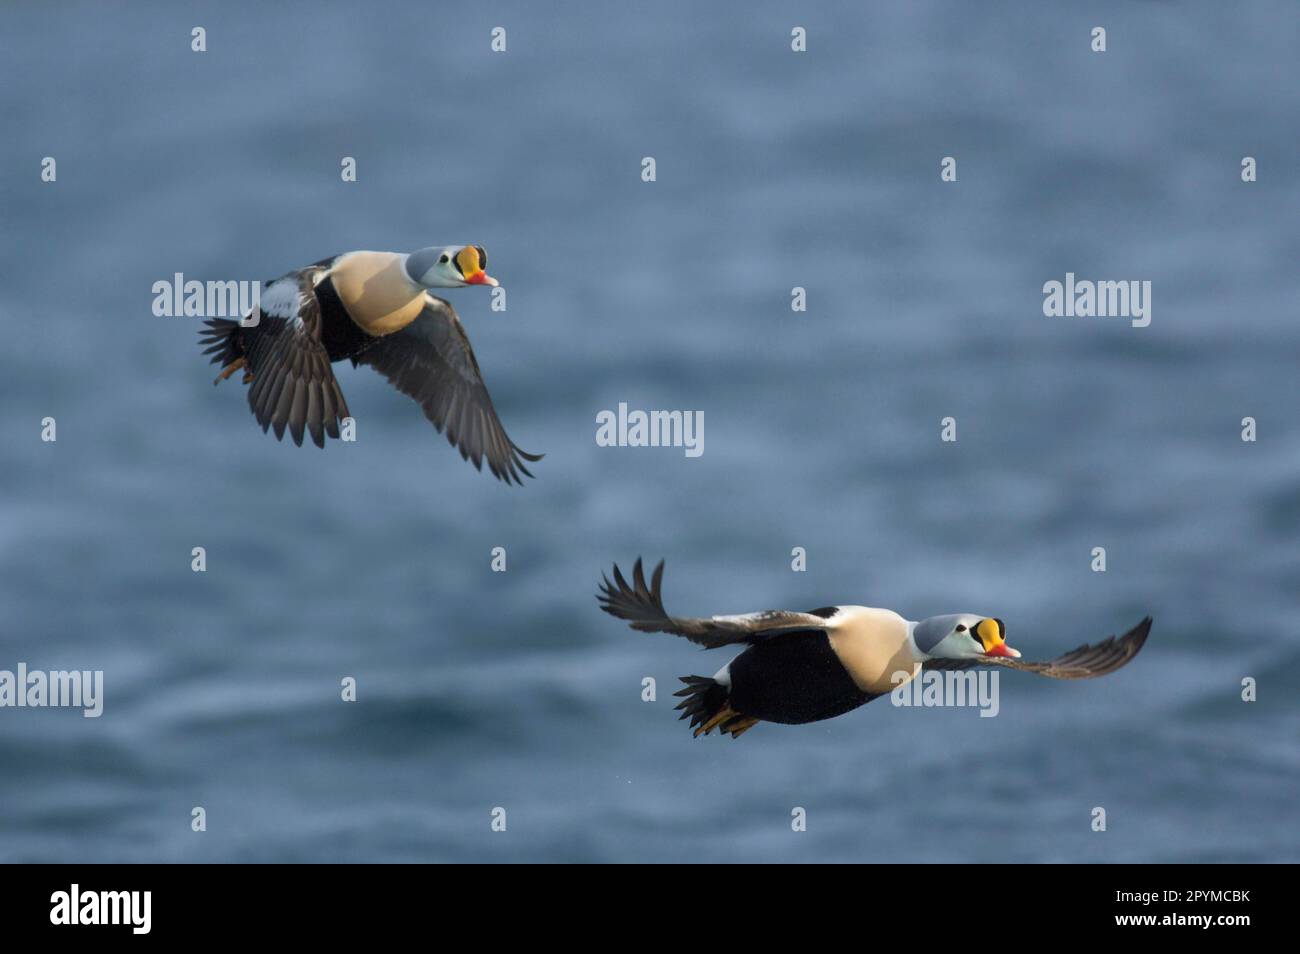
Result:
<point x="431" y="361"/>
<point x="643" y="607"/>
<point x="293" y="384"/>
<point x="1086" y="662"/>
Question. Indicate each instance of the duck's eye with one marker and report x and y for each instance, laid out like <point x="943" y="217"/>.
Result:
<point x="961" y="628"/>
<point x="445" y="259"/>
<point x="482" y="256"/>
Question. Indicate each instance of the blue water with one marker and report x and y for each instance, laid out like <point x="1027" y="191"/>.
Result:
<point x="479" y="690"/>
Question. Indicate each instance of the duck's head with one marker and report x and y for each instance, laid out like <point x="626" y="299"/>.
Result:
<point x="962" y="636"/>
<point x="449" y="266"/>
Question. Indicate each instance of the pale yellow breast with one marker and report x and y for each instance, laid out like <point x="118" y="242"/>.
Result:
<point x="873" y="646"/>
<point x="376" y="291"/>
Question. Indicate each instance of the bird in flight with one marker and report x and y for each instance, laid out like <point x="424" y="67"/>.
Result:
<point x="372" y="308"/>
<point x="806" y="667"/>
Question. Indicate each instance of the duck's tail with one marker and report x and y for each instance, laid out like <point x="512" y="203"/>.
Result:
<point x="220" y="338"/>
<point x="707" y="703"/>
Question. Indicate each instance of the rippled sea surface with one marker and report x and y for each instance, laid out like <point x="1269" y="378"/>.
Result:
<point x="479" y="690"/>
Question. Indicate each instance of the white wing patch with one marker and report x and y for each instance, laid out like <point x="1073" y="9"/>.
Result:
<point x="283" y="300"/>
<point x="777" y="618"/>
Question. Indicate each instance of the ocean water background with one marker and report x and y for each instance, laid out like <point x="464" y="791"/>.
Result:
<point x="481" y="689"/>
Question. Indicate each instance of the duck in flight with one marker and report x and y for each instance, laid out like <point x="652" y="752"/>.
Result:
<point x="805" y="667"/>
<point x="372" y="308"/>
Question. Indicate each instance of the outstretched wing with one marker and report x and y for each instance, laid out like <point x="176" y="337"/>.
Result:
<point x="431" y="361"/>
<point x="293" y="384"/>
<point x="1086" y="662"/>
<point x="643" y="608"/>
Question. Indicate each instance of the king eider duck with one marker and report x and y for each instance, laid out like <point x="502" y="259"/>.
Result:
<point x="805" y="667"/>
<point x="373" y="308"/>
